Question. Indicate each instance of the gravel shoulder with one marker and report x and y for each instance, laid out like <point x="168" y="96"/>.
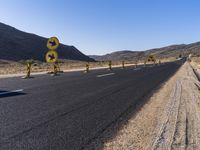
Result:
<point x="169" y="120"/>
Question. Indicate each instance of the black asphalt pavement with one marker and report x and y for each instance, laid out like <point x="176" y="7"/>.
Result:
<point x="65" y="112"/>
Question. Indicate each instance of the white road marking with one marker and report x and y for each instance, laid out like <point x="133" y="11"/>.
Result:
<point x="103" y="75"/>
<point x="13" y="91"/>
<point x="137" y="69"/>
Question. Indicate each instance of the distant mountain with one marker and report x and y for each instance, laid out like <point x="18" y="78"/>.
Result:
<point x="165" y="52"/>
<point x="119" y="55"/>
<point x="17" y="45"/>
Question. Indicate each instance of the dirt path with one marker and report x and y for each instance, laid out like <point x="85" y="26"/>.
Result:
<point x="170" y="120"/>
<point x="181" y="128"/>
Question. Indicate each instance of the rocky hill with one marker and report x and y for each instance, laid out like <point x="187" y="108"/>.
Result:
<point x="164" y="52"/>
<point x="17" y="45"/>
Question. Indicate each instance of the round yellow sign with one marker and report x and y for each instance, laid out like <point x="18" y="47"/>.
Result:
<point x="51" y="56"/>
<point x="151" y="58"/>
<point x="52" y="43"/>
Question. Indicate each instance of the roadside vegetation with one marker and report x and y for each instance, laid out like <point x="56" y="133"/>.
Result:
<point x="12" y="67"/>
<point x="195" y="62"/>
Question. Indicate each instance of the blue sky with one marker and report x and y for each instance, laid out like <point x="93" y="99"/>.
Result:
<point x="103" y="26"/>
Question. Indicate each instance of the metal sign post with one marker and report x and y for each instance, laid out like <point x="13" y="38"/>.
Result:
<point x="52" y="55"/>
<point x="123" y="66"/>
<point x="110" y="65"/>
<point x="87" y="67"/>
<point x="28" y="70"/>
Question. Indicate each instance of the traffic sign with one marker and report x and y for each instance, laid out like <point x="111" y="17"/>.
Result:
<point x="52" y="43"/>
<point x="51" y="56"/>
<point x="151" y="58"/>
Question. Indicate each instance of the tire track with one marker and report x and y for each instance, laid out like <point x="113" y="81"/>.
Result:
<point x="180" y="136"/>
<point x="181" y="127"/>
<point x="167" y="130"/>
<point x="193" y="121"/>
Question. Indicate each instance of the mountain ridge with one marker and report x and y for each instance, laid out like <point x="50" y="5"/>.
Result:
<point x="163" y="52"/>
<point x="19" y="45"/>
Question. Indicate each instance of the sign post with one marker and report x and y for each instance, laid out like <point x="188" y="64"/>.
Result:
<point x="87" y="66"/>
<point x="145" y="63"/>
<point x="123" y="66"/>
<point x="52" y="56"/>
<point x="28" y="69"/>
<point x="110" y="65"/>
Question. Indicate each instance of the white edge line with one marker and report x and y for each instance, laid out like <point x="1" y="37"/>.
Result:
<point x="14" y="91"/>
<point x="137" y="68"/>
<point x="103" y="75"/>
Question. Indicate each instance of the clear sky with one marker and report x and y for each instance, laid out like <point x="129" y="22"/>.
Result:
<point x="103" y="26"/>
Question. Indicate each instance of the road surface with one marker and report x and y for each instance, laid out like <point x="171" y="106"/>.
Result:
<point x="68" y="111"/>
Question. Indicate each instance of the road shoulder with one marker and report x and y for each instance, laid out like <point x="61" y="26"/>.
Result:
<point x="170" y="119"/>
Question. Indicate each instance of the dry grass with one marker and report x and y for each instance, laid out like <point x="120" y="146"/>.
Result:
<point x="10" y="67"/>
<point x="170" y="59"/>
<point x="195" y="62"/>
<point x="17" y="68"/>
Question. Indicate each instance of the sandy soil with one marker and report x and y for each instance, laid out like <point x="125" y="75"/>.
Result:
<point x="169" y="120"/>
<point x="11" y="67"/>
<point x="195" y="62"/>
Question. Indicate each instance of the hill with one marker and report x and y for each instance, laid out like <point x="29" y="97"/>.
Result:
<point x="164" y="52"/>
<point x="18" y="45"/>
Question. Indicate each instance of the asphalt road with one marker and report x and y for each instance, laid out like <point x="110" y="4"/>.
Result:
<point x="65" y="112"/>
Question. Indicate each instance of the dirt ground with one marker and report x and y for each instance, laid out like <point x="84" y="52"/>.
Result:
<point x="195" y="62"/>
<point x="169" y="120"/>
<point x="11" y="67"/>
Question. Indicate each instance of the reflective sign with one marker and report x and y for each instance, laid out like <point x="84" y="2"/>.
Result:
<point x="52" y="43"/>
<point x="51" y="56"/>
<point x="151" y="58"/>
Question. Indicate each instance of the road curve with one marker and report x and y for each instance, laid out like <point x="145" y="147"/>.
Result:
<point x="67" y="111"/>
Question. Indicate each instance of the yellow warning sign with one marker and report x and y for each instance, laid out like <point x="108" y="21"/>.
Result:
<point x="51" y="56"/>
<point x="52" y="43"/>
<point x="151" y="58"/>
